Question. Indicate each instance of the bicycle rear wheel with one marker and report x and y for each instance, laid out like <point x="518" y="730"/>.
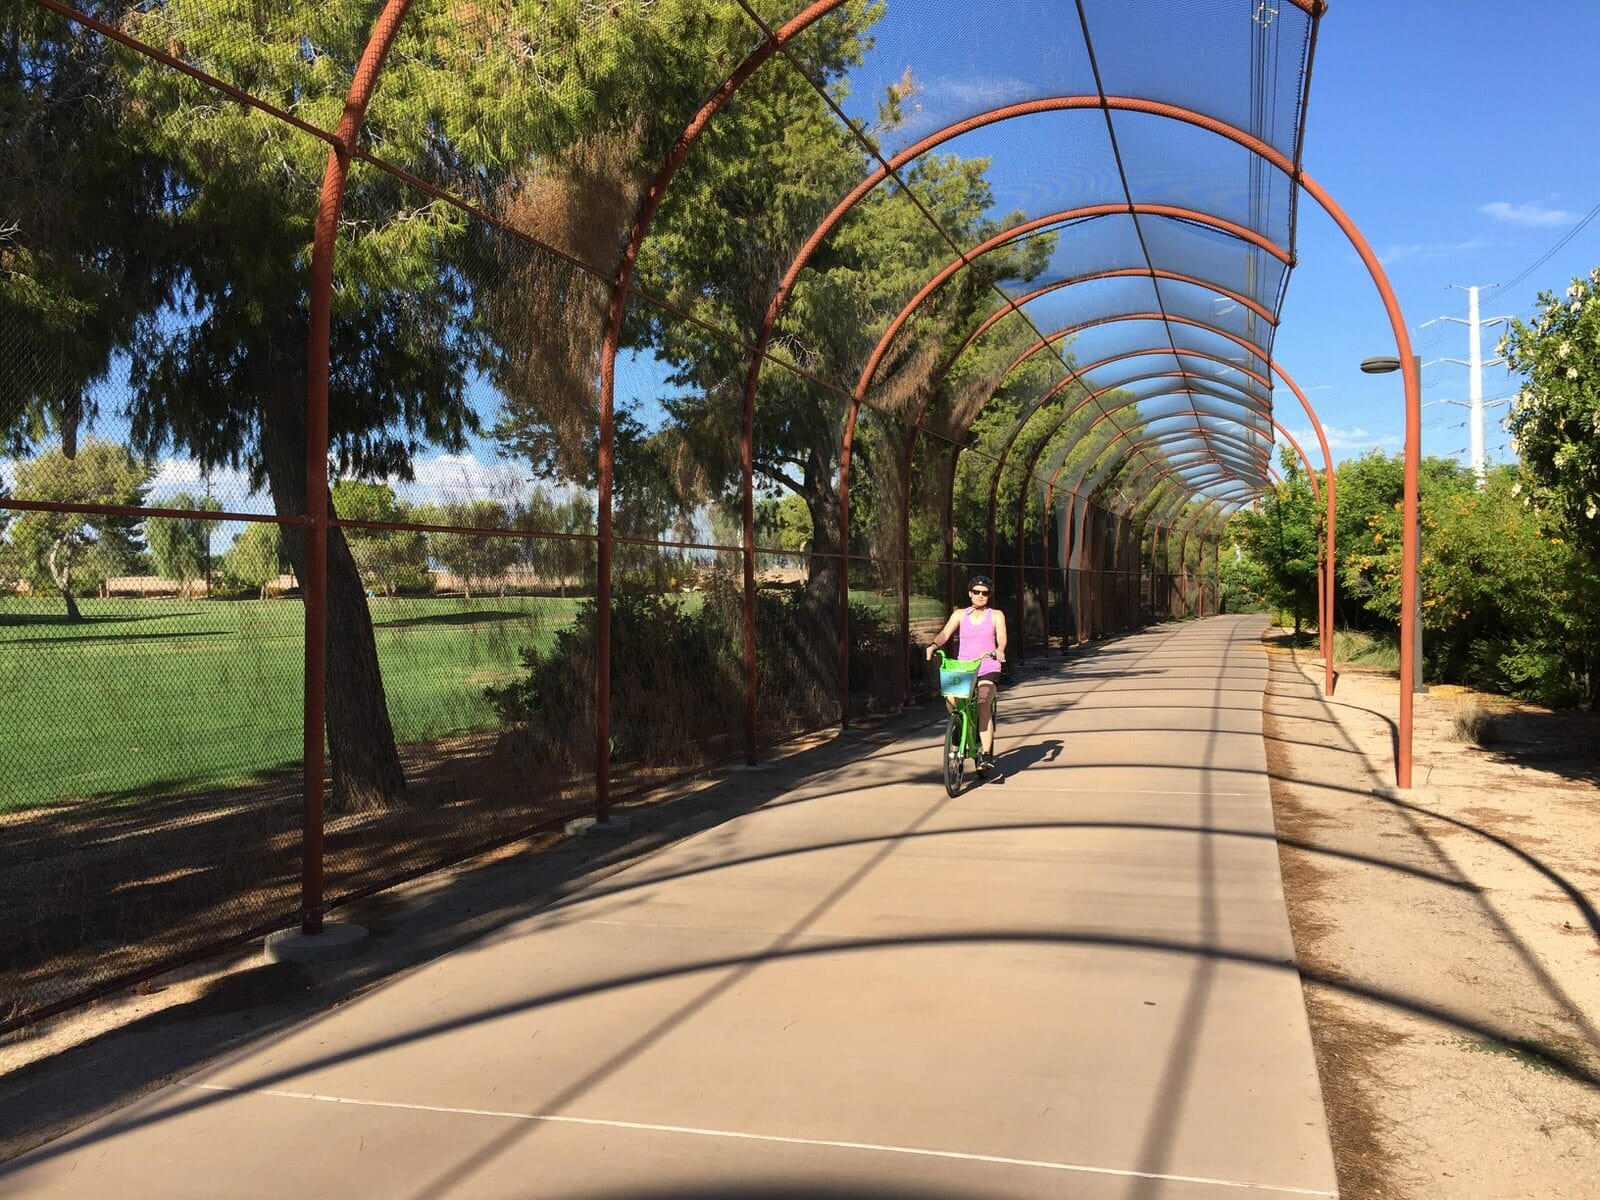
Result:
<point x="955" y="753"/>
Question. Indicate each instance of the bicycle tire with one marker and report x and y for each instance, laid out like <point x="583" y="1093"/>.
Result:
<point x="955" y="754"/>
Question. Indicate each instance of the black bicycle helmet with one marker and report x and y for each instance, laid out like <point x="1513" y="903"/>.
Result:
<point x="981" y="581"/>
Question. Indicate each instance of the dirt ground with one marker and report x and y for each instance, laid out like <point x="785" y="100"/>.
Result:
<point x="1448" y="935"/>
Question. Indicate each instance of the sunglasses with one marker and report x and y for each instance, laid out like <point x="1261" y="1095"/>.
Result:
<point x="977" y="591"/>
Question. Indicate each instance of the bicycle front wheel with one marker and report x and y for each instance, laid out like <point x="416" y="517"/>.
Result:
<point x="955" y="753"/>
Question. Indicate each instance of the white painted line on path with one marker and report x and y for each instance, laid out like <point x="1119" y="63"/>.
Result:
<point x="1100" y="791"/>
<point x="733" y="1135"/>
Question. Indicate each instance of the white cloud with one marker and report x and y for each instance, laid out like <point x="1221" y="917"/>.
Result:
<point x="941" y="100"/>
<point x="445" y="477"/>
<point x="1532" y="213"/>
<point x="1401" y="251"/>
<point x="1357" y="438"/>
<point x="981" y="92"/>
<point x="231" y="488"/>
<point x="456" y="477"/>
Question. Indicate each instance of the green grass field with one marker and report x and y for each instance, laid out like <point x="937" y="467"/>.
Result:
<point x="150" y="697"/>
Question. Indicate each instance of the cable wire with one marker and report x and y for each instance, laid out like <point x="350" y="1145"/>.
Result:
<point x="1550" y="253"/>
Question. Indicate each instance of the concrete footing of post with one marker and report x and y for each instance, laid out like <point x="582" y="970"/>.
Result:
<point x="1413" y="795"/>
<point x="587" y="826"/>
<point x="334" y="943"/>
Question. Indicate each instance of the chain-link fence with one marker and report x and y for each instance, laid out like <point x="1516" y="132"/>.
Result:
<point x="426" y="427"/>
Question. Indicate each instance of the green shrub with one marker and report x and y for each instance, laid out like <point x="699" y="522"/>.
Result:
<point x="677" y="675"/>
<point x="1363" y="649"/>
<point x="670" y="686"/>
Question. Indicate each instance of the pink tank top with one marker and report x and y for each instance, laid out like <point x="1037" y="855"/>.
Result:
<point x="977" y="637"/>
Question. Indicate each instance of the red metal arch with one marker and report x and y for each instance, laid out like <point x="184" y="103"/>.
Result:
<point x="1224" y="475"/>
<point x="1268" y="153"/>
<point x="1000" y="314"/>
<point x="1113" y="318"/>
<point x="1094" y="396"/>
<point x="1161" y="438"/>
<point x="869" y="372"/>
<point x="1115" y="386"/>
<point x="825" y="228"/>
<point x="1325" y="598"/>
<point x="1243" y="458"/>
<point x="1000" y="464"/>
<point x="1248" y="448"/>
<point x="1326" y="559"/>
<point x="1127" y="380"/>
<point x="1163" y="351"/>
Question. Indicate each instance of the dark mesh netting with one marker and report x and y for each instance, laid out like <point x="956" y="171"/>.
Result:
<point x="539" y="404"/>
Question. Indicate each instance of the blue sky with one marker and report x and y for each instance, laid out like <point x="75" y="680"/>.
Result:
<point x="1457" y="134"/>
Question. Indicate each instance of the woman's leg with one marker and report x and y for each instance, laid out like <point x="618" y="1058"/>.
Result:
<point x="986" y="717"/>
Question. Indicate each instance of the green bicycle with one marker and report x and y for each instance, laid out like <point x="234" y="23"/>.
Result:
<point x="958" y="681"/>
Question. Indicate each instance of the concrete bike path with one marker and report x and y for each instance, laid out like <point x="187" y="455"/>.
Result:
<point x="1076" y="981"/>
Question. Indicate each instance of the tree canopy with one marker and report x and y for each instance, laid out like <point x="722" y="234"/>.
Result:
<point x="1283" y="536"/>
<point x="68" y="551"/>
<point x="180" y="547"/>
<point x="1555" y="419"/>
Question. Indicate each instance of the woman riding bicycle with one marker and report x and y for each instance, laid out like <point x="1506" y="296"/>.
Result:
<point x="982" y="631"/>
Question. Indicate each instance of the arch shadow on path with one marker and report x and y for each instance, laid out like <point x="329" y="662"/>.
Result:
<point x="559" y="909"/>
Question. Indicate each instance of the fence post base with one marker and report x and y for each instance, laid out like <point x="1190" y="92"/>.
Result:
<point x="334" y="943"/>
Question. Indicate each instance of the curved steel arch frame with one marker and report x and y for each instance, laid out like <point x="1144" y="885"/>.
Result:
<point x="1075" y="375"/>
<point x="1409" y="505"/>
<point x="372" y="59"/>
<point x="1325" y="564"/>
<point x="825" y="228"/>
<point x="1080" y="502"/>
<point x="1078" y="513"/>
<point x="1094" y="395"/>
<point x="1331" y="510"/>
<point x="1162" y="468"/>
<point x="1142" y="352"/>
<point x="1000" y="314"/>
<point x="1165" y="477"/>
<point x="1248" y="447"/>
<point x="1090" y="611"/>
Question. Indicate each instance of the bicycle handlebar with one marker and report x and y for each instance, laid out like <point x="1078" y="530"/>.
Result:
<point x="939" y="650"/>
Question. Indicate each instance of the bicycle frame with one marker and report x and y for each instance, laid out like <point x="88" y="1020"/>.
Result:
<point x="962" y="740"/>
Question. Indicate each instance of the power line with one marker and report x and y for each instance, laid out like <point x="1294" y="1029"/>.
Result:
<point x="1550" y="253"/>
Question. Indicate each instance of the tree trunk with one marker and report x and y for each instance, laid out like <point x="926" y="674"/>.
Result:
<point x="61" y="571"/>
<point x="71" y="419"/>
<point x="367" y="775"/>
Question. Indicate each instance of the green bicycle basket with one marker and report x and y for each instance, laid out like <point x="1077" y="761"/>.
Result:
<point x="958" y="676"/>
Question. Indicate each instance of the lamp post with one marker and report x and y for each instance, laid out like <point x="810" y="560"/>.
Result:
<point x="1382" y="365"/>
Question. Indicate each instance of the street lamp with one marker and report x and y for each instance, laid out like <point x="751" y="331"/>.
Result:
<point x="1383" y="364"/>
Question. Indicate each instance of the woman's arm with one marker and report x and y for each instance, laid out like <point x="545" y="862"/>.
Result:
<point x="945" y="634"/>
<point x="1000" y="635"/>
